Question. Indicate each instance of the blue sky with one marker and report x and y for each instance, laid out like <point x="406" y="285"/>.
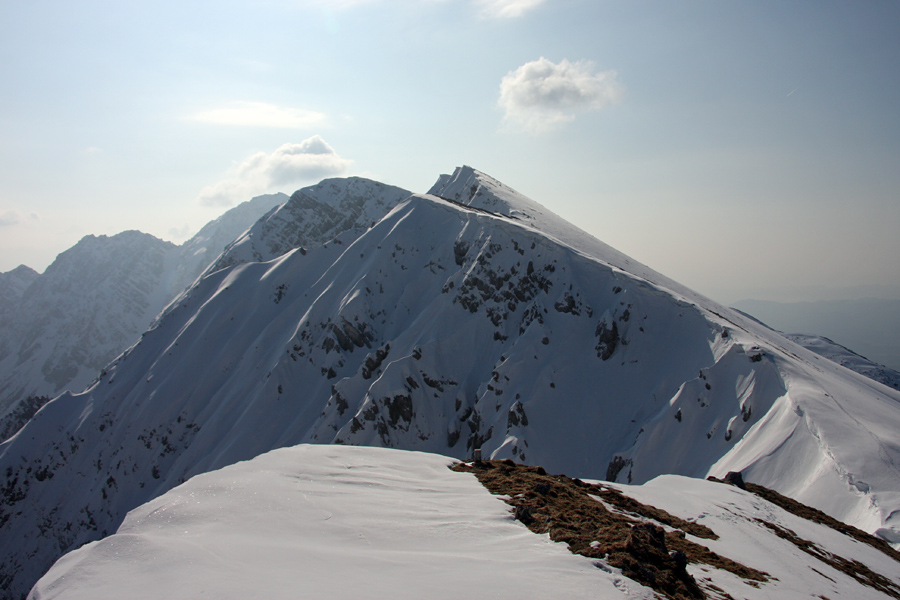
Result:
<point x="747" y="149"/>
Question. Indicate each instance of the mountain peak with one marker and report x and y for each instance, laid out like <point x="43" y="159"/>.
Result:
<point x="313" y="215"/>
<point x="472" y="188"/>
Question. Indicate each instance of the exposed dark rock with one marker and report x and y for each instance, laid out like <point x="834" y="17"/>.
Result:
<point x="615" y="467"/>
<point x="460" y="249"/>
<point x="399" y="407"/>
<point x="607" y="339"/>
<point x="523" y="514"/>
<point x="736" y="479"/>
<point x="516" y="416"/>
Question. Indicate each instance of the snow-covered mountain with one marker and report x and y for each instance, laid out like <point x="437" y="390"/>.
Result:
<point x="12" y="285"/>
<point x="63" y="326"/>
<point x="847" y="358"/>
<point x="205" y="247"/>
<point x="469" y="317"/>
<point x="334" y="521"/>
<point x="89" y="304"/>
<point x="312" y="216"/>
<point x="871" y="326"/>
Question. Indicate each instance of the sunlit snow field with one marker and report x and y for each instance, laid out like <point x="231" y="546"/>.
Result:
<point x="350" y="522"/>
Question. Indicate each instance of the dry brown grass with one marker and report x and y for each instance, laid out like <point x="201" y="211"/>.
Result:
<point x="563" y="508"/>
<point x="853" y="568"/>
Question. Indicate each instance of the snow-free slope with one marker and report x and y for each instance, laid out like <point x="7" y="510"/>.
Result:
<point x="336" y="521"/>
<point x="447" y="327"/>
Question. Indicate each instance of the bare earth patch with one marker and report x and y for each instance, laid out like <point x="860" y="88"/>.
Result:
<point x="630" y="538"/>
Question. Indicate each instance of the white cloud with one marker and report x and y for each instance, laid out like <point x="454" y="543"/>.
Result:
<point x="494" y="9"/>
<point x="541" y="95"/>
<point x="259" y="114"/>
<point x="506" y="9"/>
<point x="310" y="160"/>
<point x="8" y="218"/>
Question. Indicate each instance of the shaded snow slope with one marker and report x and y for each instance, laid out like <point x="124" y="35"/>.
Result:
<point x="94" y="301"/>
<point x="205" y="247"/>
<point x="328" y="522"/>
<point x="444" y="328"/>
<point x="12" y="285"/>
<point x="333" y="521"/>
<point x="90" y="303"/>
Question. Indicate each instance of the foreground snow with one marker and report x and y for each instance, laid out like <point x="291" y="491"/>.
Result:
<point x="350" y="522"/>
<point x="328" y="522"/>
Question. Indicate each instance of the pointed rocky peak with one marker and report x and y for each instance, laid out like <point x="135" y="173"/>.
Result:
<point x="472" y="188"/>
<point x="98" y="258"/>
<point x="14" y="283"/>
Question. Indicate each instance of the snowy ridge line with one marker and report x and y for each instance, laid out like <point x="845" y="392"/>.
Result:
<point x="472" y="208"/>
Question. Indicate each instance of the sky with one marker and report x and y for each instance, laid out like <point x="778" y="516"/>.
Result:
<point x="745" y="149"/>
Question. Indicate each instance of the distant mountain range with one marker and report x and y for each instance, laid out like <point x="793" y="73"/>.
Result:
<point x="466" y="318"/>
<point x="870" y="326"/>
<point x="60" y="328"/>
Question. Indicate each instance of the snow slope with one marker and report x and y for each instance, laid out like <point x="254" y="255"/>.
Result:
<point x="204" y="248"/>
<point x="333" y="521"/>
<point x="847" y="358"/>
<point x="743" y="523"/>
<point x="89" y="304"/>
<point x="94" y="301"/>
<point x="871" y="326"/>
<point x="12" y="285"/>
<point x="469" y="319"/>
<point x="327" y="522"/>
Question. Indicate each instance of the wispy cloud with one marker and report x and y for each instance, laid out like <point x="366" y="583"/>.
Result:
<point x="8" y="218"/>
<point x="492" y="9"/>
<point x="259" y="114"/>
<point x="506" y="9"/>
<point x="542" y="95"/>
<point x="291" y="164"/>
